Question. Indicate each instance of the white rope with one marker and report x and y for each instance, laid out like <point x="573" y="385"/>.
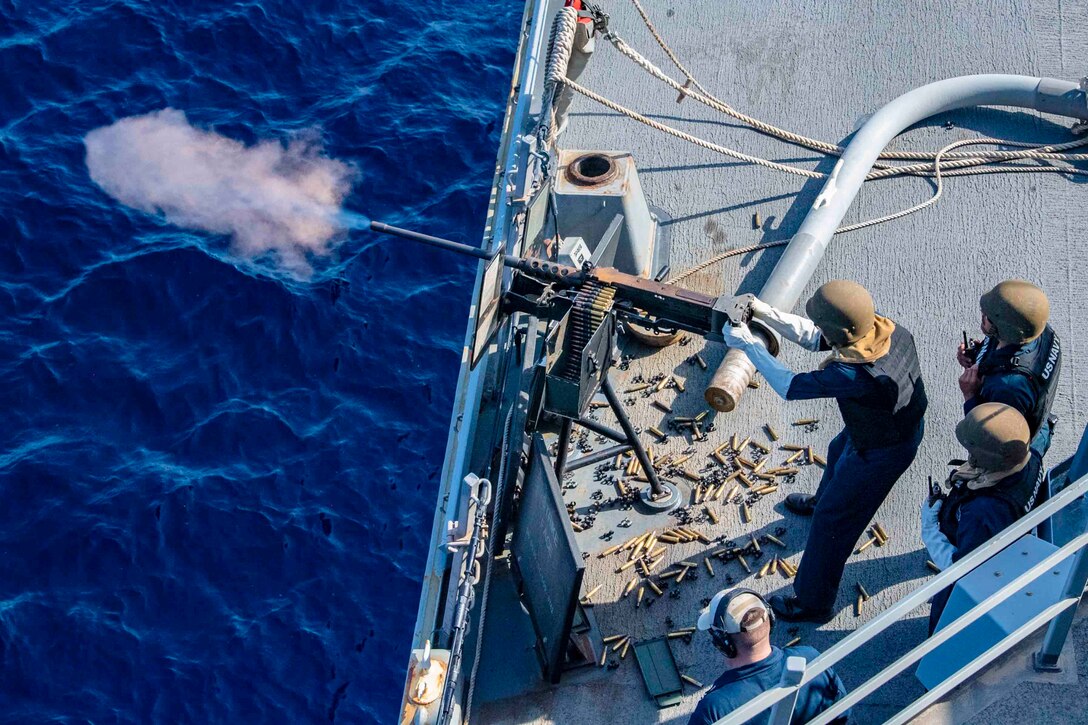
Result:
<point x="560" y="47"/>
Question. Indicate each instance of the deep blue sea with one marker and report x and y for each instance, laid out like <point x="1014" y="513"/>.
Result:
<point x="218" y="484"/>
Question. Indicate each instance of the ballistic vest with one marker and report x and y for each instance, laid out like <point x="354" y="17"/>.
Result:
<point x="1020" y="489"/>
<point x="1040" y="361"/>
<point x="879" y="425"/>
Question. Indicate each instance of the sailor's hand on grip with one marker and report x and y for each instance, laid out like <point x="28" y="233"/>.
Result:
<point x="760" y="309"/>
<point x="738" y="336"/>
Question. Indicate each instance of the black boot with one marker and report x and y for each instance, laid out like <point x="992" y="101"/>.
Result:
<point x="790" y="609"/>
<point x="802" y="504"/>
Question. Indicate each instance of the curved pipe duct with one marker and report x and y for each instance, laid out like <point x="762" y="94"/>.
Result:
<point x="795" y="268"/>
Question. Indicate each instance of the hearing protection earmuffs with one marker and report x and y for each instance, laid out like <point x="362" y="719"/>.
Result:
<point x="722" y="639"/>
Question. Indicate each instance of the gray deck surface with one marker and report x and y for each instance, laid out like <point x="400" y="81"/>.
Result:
<point x="816" y="68"/>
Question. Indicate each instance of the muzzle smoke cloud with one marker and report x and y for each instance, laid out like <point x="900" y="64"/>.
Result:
<point x="270" y="198"/>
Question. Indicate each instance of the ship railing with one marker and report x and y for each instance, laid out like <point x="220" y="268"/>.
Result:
<point x="780" y="700"/>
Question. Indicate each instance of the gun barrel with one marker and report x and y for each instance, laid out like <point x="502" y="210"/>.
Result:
<point x="449" y="246"/>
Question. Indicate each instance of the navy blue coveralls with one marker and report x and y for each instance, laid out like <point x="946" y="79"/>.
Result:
<point x="983" y="515"/>
<point x="857" y="478"/>
<point x="738" y="686"/>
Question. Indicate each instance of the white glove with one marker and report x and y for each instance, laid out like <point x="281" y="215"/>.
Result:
<point x="937" y="544"/>
<point x="777" y="375"/>
<point x="799" y="330"/>
<point x="739" y="336"/>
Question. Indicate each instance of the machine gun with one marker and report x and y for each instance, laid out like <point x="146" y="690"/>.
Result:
<point x="587" y="302"/>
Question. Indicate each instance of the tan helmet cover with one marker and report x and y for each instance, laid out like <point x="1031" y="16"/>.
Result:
<point x="1018" y="309"/>
<point x="843" y="310"/>
<point x="995" y="435"/>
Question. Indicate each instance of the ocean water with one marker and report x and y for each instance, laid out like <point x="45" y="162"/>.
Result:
<point x="218" y="481"/>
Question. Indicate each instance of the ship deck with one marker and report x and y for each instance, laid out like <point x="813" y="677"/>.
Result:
<point x="816" y="69"/>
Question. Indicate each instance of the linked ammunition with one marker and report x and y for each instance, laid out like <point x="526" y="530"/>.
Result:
<point x="745" y="513"/>
<point x="700" y="361"/>
<point x="630" y="586"/>
<point x="660" y="405"/>
<point x="691" y="681"/>
<point x="806" y="421"/>
<point x="612" y="638"/>
<point x="709" y="568"/>
<point x="866" y="545"/>
<point x="654" y="586"/>
<point x="604" y="656"/>
<point x="641" y="593"/>
<point x="933" y="566"/>
<point x="744" y="563"/>
<point x="710" y="513"/>
<point x="637" y="388"/>
<point x="861" y="589"/>
<point x="656" y="432"/>
<point x="625" y="646"/>
<point x="593" y="591"/>
<point x="791" y="447"/>
<point x="793" y="641"/>
<point x="860" y="605"/>
<point x="755" y="543"/>
<point x="771" y="432"/>
<point x="775" y="539"/>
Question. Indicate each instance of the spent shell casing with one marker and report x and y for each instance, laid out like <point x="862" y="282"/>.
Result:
<point x="637" y="388"/>
<point x="880" y="539"/>
<point x="689" y="475"/>
<point x="774" y="566"/>
<point x="656" y="553"/>
<point x="806" y="421"/>
<point x="819" y="460"/>
<point x="653" y="585"/>
<point x="763" y="570"/>
<point x="678" y="635"/>
<point x="733" y="493"/>
<point x="620" y="641"/>
<point x="598" y="404"/>
<point x="609" y="550"/>
<point x="683" y="574"/>
<point x="697" y="493"/>
<point x="859" y="605"/>
<point x="735" y="441"/>
<point x="656" y="432"/>
<point x="720" y="459"/>
<point x="585" y="602"/>
<point x="764" y="490"/>
<point x="691" y="681"/>
<point x="711" y="515"/>
<point x="760" y="446"/>
<point x="709" y="568"/>
<point x="866" y="545"/>
<point x="627" y="566"/>
<point x="795" y="456"/>
<point x="745" y="480"/>
<point x="793" y="641"/>
<point x="661" y="405"/>
<point x="791" y="447"/>
<point x="593" y="591"/>
<point x="745" y="513"/>
<point x="641" y="593"/>
<point x="933" y="566"/>
<point x="613" y="638"/>
<point x="861" y="590"/>
<point x="604" y="656"/>
<point x="755" y="543"/>
<point x="682" y="459"/>
<point x="771" y="432"/>
<point x="623" y="653"/>
<point x="688" y="564"/>
<point x="668" y="574"/>
<point x="700" y="361"/>
<point x="719" y="492"/>
<point x="775" y="539"/>
<point x="661" y="384"/>
<point x="757" y="221"/>
<point x="744" y="563"/>
<point x="678" y="383"/>
<point x="699" y="418"/>
<point x="880" y="530"/>
<point x="744" y="444"/>
<point x="753" y="383"/>
<point x="630" y="586"/>
<point x="745" y="462"/>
